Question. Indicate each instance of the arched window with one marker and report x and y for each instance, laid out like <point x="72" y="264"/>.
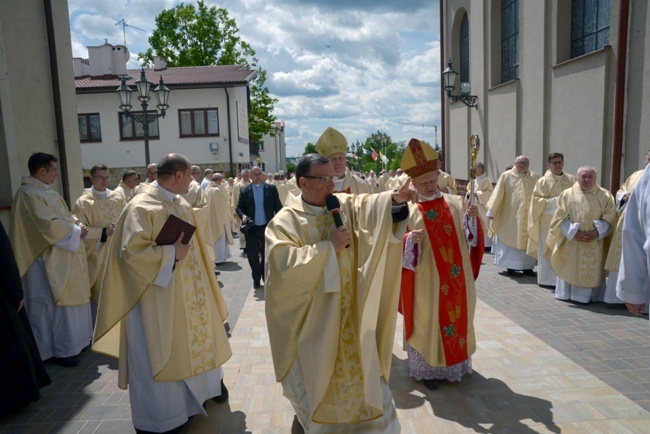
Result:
<point x="589" y="26"/>
<point x="464" y="49"/>
<point x="509" y="40"/>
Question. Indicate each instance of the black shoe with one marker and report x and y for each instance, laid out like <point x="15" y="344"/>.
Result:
<point x="530" y="273"/>
<point x="66" y="362"/>
<point x="431" y="384"/>
<point x="176" y="430"/>
<point x="224" y="395"/>
<point x="217" y="273"/>
<point x="510" y="271"/>
<point x="257" y="285"/>
<point x="296" y="427"/>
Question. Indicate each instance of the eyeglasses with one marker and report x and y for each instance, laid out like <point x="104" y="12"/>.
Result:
<point x="522" y="163"/>
<point x="556" y="163"/>
<point x="322" y="179"/>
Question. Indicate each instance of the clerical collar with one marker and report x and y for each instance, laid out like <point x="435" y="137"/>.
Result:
<point x="46" y="186"/>
<point x="168" y="194"/>
<point x="558" y="177"/>
<point x="427" y="199"/>
<point x="317" y="210"/>
<point x="99" y="193"/>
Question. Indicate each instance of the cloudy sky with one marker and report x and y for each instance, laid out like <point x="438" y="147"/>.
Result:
<point x="356" y="65"/>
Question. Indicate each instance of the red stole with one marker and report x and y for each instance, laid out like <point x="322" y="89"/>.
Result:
<point x="452" y="311"/>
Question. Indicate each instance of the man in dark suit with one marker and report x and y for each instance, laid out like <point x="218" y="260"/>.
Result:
<point x="258" y="202"/>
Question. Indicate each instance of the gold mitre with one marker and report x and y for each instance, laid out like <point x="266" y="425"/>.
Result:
<point x="331" y="142"/>
<point x="419" y="158"/>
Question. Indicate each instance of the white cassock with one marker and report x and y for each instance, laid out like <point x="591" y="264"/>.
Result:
<point x="633" y="285"/>
<point x="60" y="331"/>
<point x="222" y="249"/>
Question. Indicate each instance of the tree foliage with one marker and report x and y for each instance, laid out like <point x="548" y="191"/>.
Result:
<point x="189" y="35"/>
<point x="310" y="148"/>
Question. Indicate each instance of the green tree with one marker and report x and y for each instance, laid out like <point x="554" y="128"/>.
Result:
<point x="310" y="148"/>
<point x="291" y="168"/>
<point x="189" y="35"/>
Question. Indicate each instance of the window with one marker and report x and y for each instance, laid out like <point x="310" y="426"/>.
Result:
<point x="464" y="49"/>
<point x="89" y="127"/>
<point x="589" y="26"/>
<point x="130" y="129"/>
<point x="509" y="40"/>
<point x="199" y="122"/>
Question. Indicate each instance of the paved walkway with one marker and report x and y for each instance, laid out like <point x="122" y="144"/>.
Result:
<point x="541" y="366"/>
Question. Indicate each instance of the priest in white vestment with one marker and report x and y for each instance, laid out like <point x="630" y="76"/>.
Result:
<point x="633" y="285"/>
<point x="333" y="145"/>
<point x="542" y="207"/>
<point x="48" y="244"/>
<point x="207" y="178"/>
<point x="161" y="311"/>
<point x="584" y="217"/>
<point x="98" y="208"/>
<point x="331" y="309"/>
<point x="508" y="208"/>
<point x="446" y="182"/>
<point x="483" y="191"/>
<point x="129" y="181"/>
<point x="219" y="218"/>
<point x="613" y="261"/>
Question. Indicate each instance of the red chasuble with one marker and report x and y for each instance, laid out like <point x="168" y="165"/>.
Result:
<point x="452" y="314"/>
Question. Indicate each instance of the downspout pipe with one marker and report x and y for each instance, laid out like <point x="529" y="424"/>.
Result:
<point x="619" y="94"/>
<point x="56" y="96"/>
<point x="443" y="125"/>
<point x="232" y="172"/>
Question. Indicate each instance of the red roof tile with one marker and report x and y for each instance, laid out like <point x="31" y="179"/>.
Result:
<point x="178" y="77"/>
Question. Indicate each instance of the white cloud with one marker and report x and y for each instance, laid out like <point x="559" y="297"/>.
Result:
<point x="358" y="66"/>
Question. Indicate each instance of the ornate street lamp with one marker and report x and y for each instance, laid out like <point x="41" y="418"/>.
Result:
<point x="124" y="93"/>
<point x="449" y="78"/>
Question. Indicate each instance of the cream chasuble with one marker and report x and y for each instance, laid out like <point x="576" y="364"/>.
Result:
<point x="183" y="322"/>
<point x="335" y="313"/>
<point x="446" y="182"/>
<point x="613" y="261"/>
<point x="218" y="213"/>
<point x="426" y="335"/>
<point x="124" y="190"/>
<point x="542" y="207"/>
<point x="97" y="212"/>
<point x="351" y="184"/>
<point x="510" y="204"/>
<point x="39" y="219"/>
<point x="483" y="190"/>
<point x="580" y="263"/>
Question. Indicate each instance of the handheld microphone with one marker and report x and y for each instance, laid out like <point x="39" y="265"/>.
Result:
<point x="334" y="207"/>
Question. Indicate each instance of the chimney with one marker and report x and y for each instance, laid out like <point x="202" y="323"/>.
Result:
<point x="107" y="60"/>
<point x="80" y="66"/>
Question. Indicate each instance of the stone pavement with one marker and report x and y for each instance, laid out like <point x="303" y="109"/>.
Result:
<point x="541" y="366"/>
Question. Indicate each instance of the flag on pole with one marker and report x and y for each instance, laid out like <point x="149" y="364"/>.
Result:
<point x="374" y="155"/>
<point x="367" y="151"/>
<point x="383" y="158"/>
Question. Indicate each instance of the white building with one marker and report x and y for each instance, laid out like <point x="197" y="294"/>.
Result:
<point x="550" y="76"/>
<point x="207" y="120"/>
<point x="272" y="150"/>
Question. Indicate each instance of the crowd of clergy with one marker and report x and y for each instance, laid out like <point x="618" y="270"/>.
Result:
<point x="567" y="225"/>
<point x="97" y="274"/>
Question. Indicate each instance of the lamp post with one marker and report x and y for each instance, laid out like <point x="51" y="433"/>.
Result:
<point x="144" y="87"/>
<point x="449" y="78"/>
